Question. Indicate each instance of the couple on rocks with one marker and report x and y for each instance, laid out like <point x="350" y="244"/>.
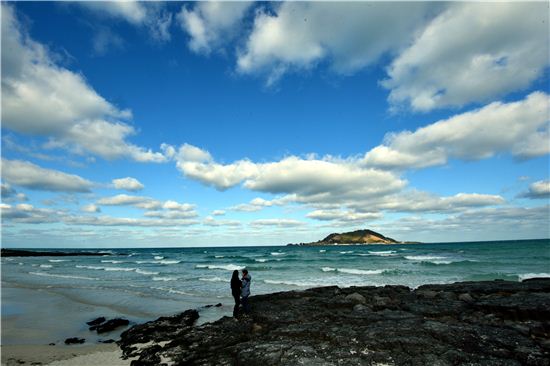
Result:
<point x="240" y="289"/>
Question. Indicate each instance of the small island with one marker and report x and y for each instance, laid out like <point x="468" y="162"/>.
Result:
<point x="357" y="237"/>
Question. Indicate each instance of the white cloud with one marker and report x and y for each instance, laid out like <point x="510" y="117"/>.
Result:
<point x="309" y="180"/>
<point x="482" y="133"/>
<point x="28" y="214"/>
<point x="41" y="98"/>
<point x="173" y="209"/>
<point x="9" y="194"/>
<point x="210" y="221"/>
<point x="277" y="223"/>
<point x="210" y="23"/>
<point x="472" y="52"/>
<point x="349" y="35"/>
<point x="128" y="183"/>
<point x="28" y="175"/>
<point x="176" y="206"/>
<point x="539" y="189"/>
<point x="344" y="216"/>
<point x="256" y="204"/>
<point x="146" y="14"/>
<point x="91" y="208"/>
<point x="171" y="215"/>
<point x="218" y="213"/>
<point x="126" y="221"/>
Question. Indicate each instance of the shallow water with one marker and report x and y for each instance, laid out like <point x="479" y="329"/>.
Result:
<point x="143" y="284"/>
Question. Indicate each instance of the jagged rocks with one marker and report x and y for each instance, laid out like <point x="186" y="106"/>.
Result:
<point x="498" y="323"/>
<point x="74" y="340"/>
<point x="107" y="326"/>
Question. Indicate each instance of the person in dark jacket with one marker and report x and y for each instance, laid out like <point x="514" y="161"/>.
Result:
<point x="236" y="291"/>
<point x="245" y="291"/>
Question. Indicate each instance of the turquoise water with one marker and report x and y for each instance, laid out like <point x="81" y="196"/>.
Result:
<point x="145" y="283"/>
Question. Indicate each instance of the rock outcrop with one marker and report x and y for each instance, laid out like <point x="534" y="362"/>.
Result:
<point x="354" y="237"/>
<point x="469" y="323"/>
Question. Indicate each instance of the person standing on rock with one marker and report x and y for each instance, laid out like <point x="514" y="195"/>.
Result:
<point x="236" y="285"/>
<point x="245" y="291"/>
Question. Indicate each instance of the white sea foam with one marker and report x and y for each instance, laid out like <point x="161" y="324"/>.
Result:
<point x="261" y="260"/>
<point x="143" y="272"/>
<point x="46" y="266"/>
<point x="322" y="250"/>
<point x="171" y="291"/>
<point x="119" y="269"/>
<point x="213" y="279"/>
<point x="227" y="267"/>
<point x="423" y="257"/>
<point x="159" y="257"/>
<point x="353" y="271"/>
<point x="219" y="256"/>
<point x="146" y="262"/>
<point x="347" y="252"/>
<point x="277" y="253"/>
<point x="168" y="262"/>
<point x="90" y="267"/>
<point x="384" y="253"/>
<point x="525" y="276"/>
<point x="58" y="260"/>
<point x="111" y="261"/>
<point x="292" y="283"/>
<point x="63" y="276"/>
<point x="165" y="278"/>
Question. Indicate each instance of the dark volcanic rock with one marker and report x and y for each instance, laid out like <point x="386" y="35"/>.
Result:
<point x="497" y="323"/>
<point x="110" y="325"/>
<point x="96" y="321"/>
<point x="74" y="340"/>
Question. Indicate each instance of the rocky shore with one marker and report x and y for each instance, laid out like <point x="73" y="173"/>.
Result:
<point x="469" y="323"/>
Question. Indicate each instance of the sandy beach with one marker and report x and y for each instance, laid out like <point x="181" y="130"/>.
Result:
<point x="61" y="355"/>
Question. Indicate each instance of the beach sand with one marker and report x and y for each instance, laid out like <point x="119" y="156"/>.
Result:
<point x="61" y="355"/>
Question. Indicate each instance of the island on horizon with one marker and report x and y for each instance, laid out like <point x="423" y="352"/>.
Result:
<point x="357" y="237"/>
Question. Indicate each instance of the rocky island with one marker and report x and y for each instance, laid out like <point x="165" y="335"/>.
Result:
<point x="354" y="237"/>
<point x="468" y="323"/>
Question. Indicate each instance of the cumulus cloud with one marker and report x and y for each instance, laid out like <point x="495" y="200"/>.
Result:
<point x="210" y="221"/>
<point x="256" y="204"/>
<point x="298" y="35"/>
<point x="29" y="175"/>
<point x="276" y="223"/>
<point x="28" y="214"/>
<point x="91" y="208"/>
<point x="167" y="209"/>
<point x="210" y="23"/>
<point x="218" y="212"/>
<point x="43" y="99"/>
<point x="482" y="133"/>
<point x="149" y="15"/>
<point x="126" y="221"/>
<point x="10" y="194"/>
<point x="343" y="216"/>
<point x="309" y="180"/>
<point x="539" y="189"/>
<point x="472" y="52"/>
<point x="128" y="183"/>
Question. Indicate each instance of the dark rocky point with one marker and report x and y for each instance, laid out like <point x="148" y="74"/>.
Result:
<point x="110" y="325"/>
<point x="74" y="340"/>
<point x="468" y="323"/>
<point x="96" y="321"/>
<point x="39" y="253"/>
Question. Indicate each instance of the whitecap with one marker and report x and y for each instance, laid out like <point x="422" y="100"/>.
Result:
<point x="143" y="272"/>
<point x="46" y="266"/>
<point x="525" y="276"/>
<point x="119" y="269"/>
<point x="111" y="261"/>
<point x="328" y="269"/>
<point x="219" y="256"/>
<point x="322" y="250"/>
<point x="171" y="291"/>
<point x="159" y="257"/>
<point x="90" y="267"/>
<point x="347" y="252"/>
<point x="292" y="283"/>
<point x="58" y="260"/>
<point x="277" y="253"/>
<point x="165" y="278"/>
<point x="62" y="276"/>
<point x="228" y="267"/>
<point x="360" y="271"/>
<point x="423" y="257"/>
<point x="168" y="262"/>
<point x="261" y="260"/>
<point x="213" y="279"/>
<point x="384" y="253"/>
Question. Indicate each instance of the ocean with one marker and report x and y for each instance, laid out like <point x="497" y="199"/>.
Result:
<point x="45" y="299"/>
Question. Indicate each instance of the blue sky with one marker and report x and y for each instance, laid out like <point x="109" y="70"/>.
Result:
<point x="142" y="124"/>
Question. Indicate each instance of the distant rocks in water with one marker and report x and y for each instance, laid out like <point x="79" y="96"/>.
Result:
<point x="38" y="253"/>
<point x="473" y="323"/>
<point x="217" y="305"/>
<point x="355" y="237"/>
<point x="74" y="340"/>
<point x="102" y="326"/>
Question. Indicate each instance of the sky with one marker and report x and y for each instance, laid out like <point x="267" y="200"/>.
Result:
<point x="153" y="124"/>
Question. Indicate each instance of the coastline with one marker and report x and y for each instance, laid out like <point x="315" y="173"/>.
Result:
<point x="61" y="355"/>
